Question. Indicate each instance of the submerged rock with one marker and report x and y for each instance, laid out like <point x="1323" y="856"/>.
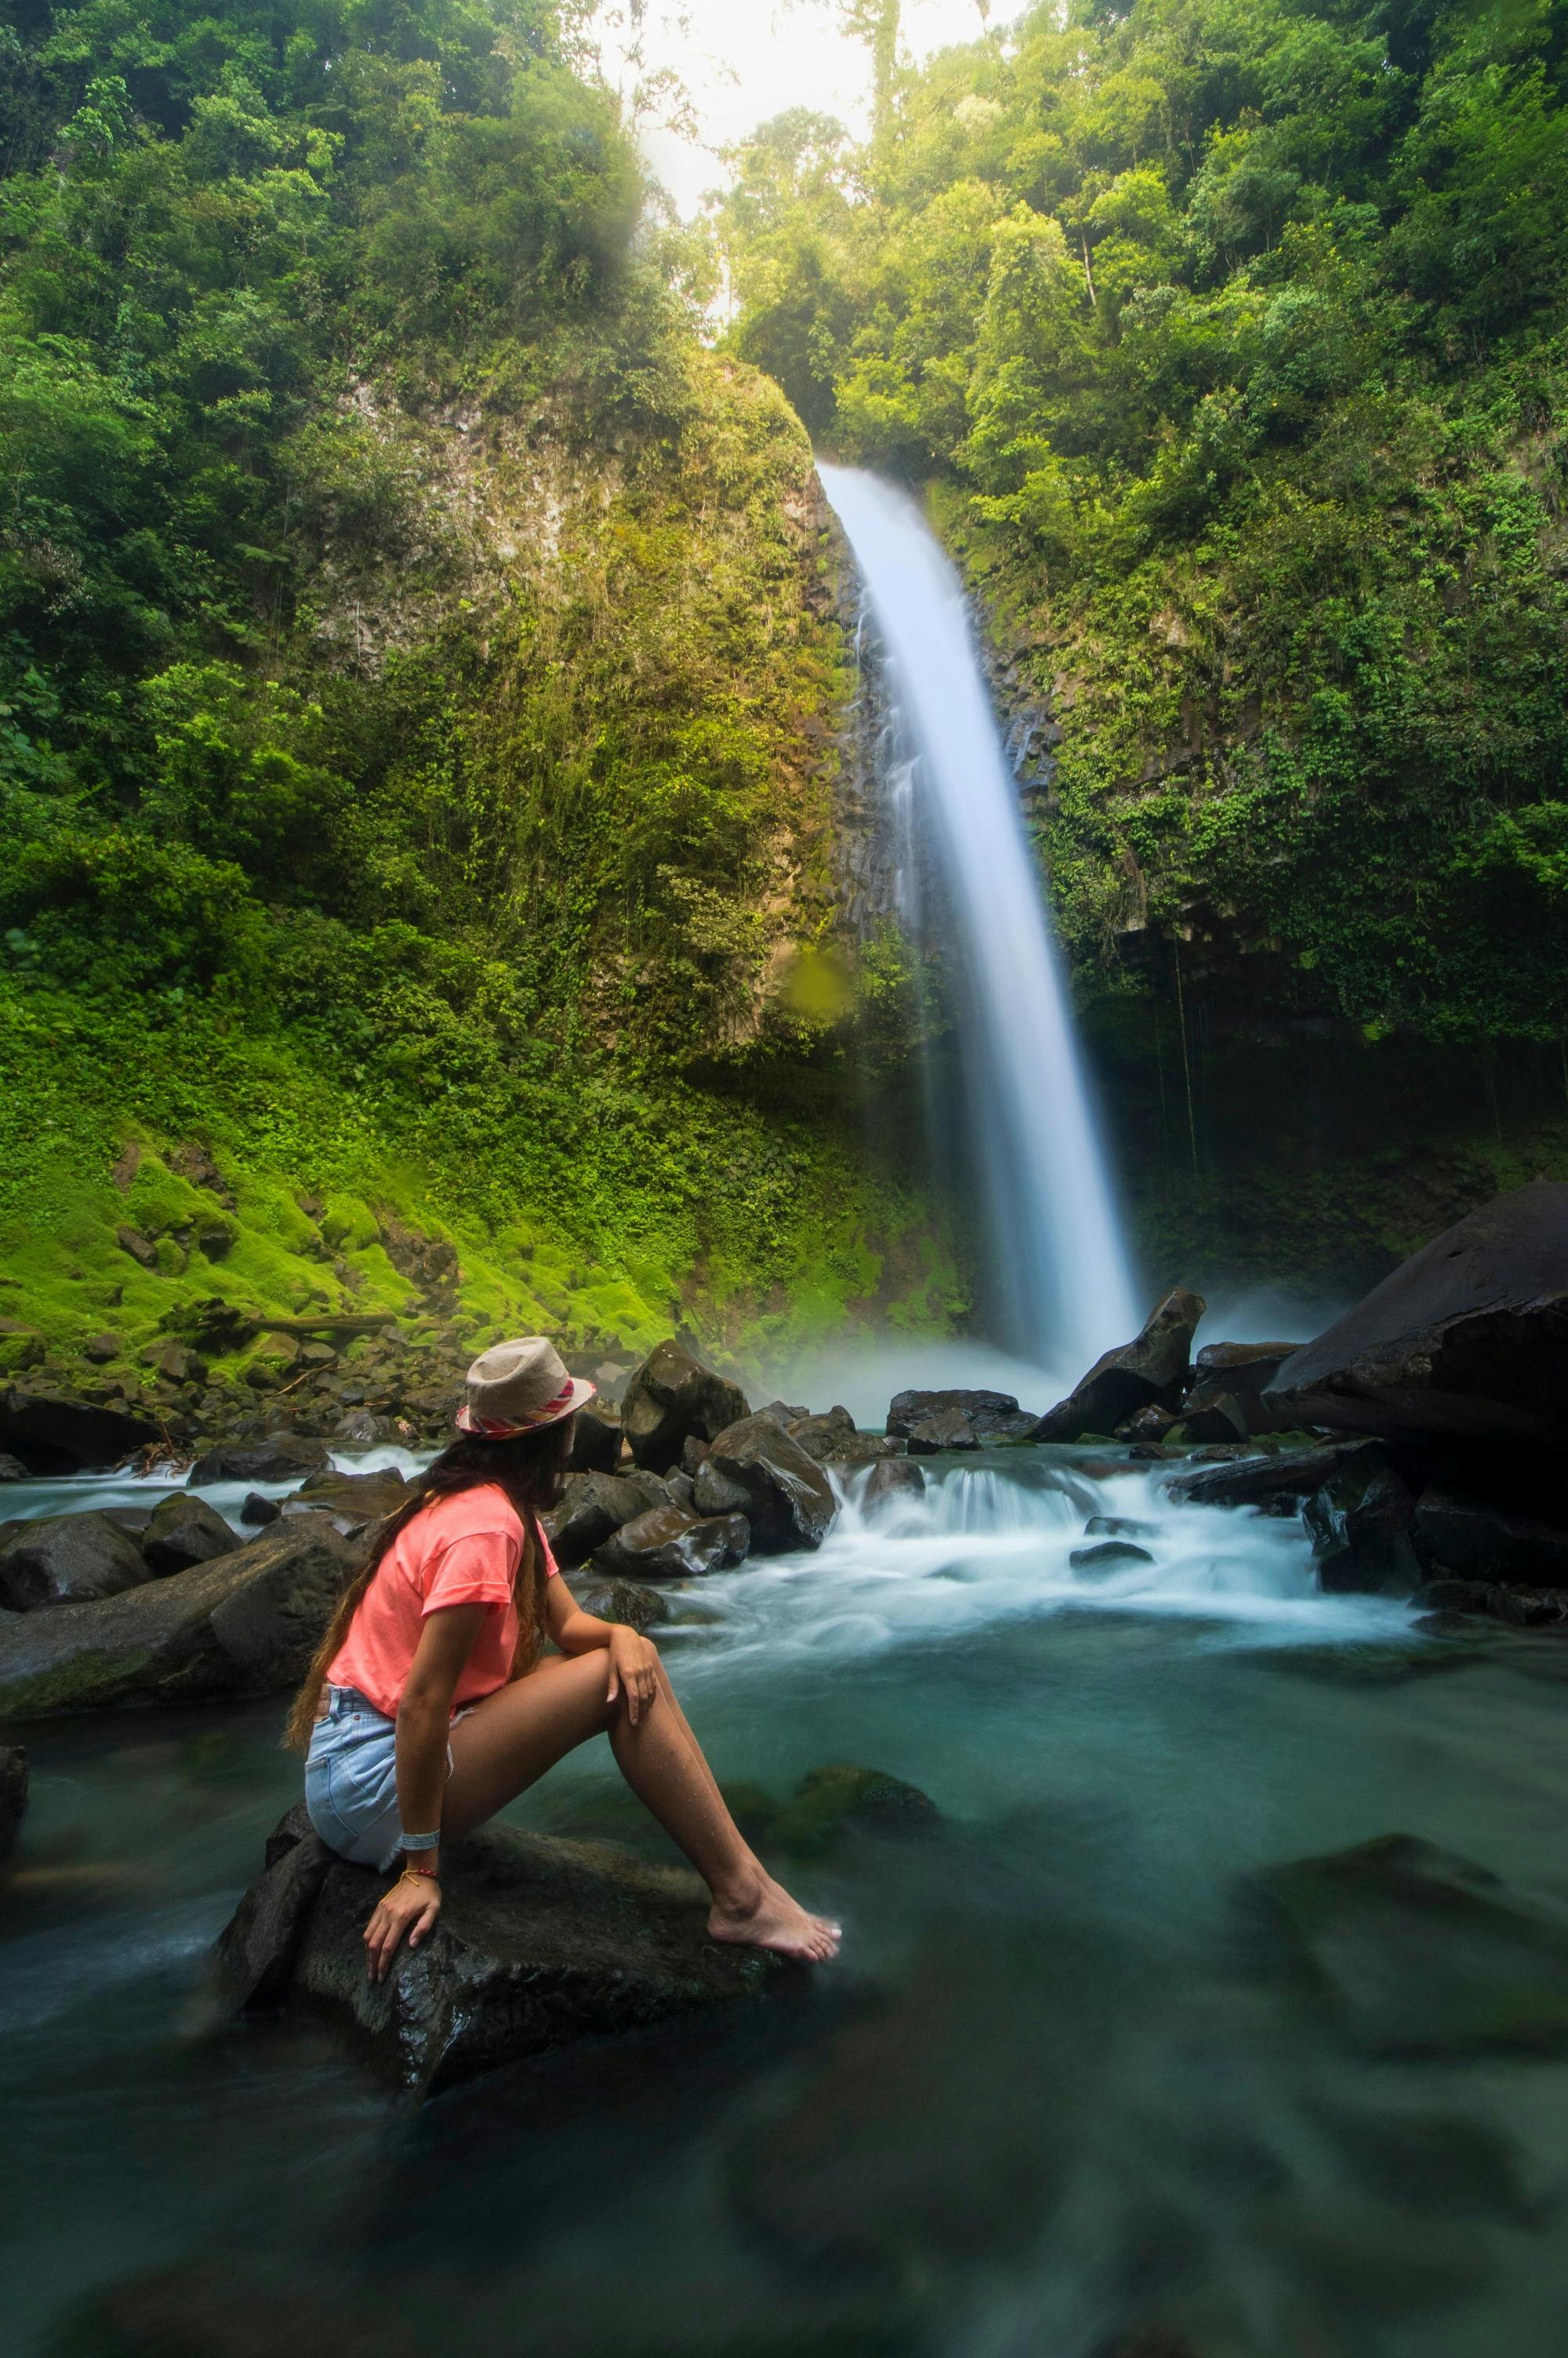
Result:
<point x="841" y="1799"/>
<point x="184" y="1530"/>
<point x="1148" y="1372"/>
<point x="66" y="1560"/>
<point x="1108" y="1555"/>
<point x="52" y="1433"/>
<point x="12" y="1795"/>
<point x="1467" y="1340"/>
<point x="539" y="1942"/>
<point x="755" y="1469"/>
<point x="894" y="1479"/>
<point x="1421" y="1951"/>
<point x="246" y="1624"/>
<point x="280" y="1457"/>
<point x="671" y="1397"/>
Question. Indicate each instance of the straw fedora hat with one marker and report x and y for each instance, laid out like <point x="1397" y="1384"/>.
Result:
<point x="517" y="1387"/>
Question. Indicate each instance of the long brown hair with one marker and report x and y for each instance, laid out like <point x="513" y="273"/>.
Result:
<point x="529" y="1467"/>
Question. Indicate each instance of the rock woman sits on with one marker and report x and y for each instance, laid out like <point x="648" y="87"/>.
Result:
<point x="427" y="1707"/>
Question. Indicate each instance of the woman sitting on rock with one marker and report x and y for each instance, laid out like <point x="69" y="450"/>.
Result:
<point x="427" y="1707"/>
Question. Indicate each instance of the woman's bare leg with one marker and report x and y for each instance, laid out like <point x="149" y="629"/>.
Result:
<point x="509" y="1740"/>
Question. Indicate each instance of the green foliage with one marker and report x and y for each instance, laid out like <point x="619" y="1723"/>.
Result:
<point x="1230" y="345"/>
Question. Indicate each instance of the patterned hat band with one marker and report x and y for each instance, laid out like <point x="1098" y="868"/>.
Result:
<point x="492" y="1428"/>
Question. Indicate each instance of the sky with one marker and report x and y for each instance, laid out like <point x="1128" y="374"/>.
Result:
<point x="744" y="60"/>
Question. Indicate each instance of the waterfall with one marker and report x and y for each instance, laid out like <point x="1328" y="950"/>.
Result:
<point x="1059" y="1266"/>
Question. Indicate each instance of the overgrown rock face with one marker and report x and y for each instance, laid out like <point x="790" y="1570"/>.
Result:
<point x="538" y="1941"/>
<point x="1467" y="1340"/>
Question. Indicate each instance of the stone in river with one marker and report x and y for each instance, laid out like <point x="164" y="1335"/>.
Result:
<point x="591" y="1508"/>
<point x="184" y="1530"/>
<point x="1360" y="1526"/>
<point x="54" y="1435"/>
<point x="362" y="1428"/>
<point x="1244" y="1370"/>
<point x="1119" y="1527"/>
<point x="1211" y="1414"/>
<point x="596" y="1440"/>
<point x="842" y="1799"/>
<point x="942" y="1427"/>
<point x="1422" y="1953"/>
<point x="538" y="1941"/>
<point x="12" y="1795"/>
<point x="1108" y="1555"/>
<point x="61" y="1560"/>
<point x="623" y="1601"/>
<point x="824" y="1436"/>
<point x="1467" y="1340"/>
<point x="671" y="1396"/>
<point x="754" y="1468"/>
<point x="280" y="1457"/>
<point x="1150" y="1371"/>
<point x="245" y="1623"/>
<point x="671" y="1544"/>
<point x="894" y="1479"/>
<point x="355" y="1501"/>
<point x="12" y="1468"/>
<point x="257" y="1510"/>
<point x="990" y="1417"/>
<point x="1273" y="1483"/>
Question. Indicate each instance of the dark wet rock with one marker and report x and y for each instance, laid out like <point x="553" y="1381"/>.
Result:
<point x="623" y="1601"/>
<point x="990" y="1419"/>
<point x="1210" y="1415"/>
<point x="1150" y="1371"/>
<point x="60" y="1560"/>
<point x="755" y="1469"/>
<point x="841" y="1799"/>
<point x="11" y="1468"/>
<point x="693" y="1450"/>
<point x="355" y="1501"/>
<point x="1360" y="1523"/>
<point x="596" y="1440"/>
<point x="1521" y="1608"/>
<point x="652" y="1488"/>
<point x="276" y="1458"/>
<point x="1245" y="1371"/>
<point x="1423" y="1953"/>
<point x="1151" y="1425"/>
<point x="245" y="1623"/>
<point x="827" y="1435"/>
<point x="12" y="1795"/>
<point x="786" y="1413"/>
<point x="1108" y="1555"/>
<point x="682" y="1490"/>
<point x="1274" y="1482"/>
<point x="942" y="1429"/>
<point x="1117" y="1527"/>
<point x="257" y="1511"/>
<point x="1467" y="1340"/>
<point x="362" y="1428"/>
<point x="52" y="1433"/>
<point x="670" y="1543"/>
<point x="183" y="1530"/>
<point x="673" y="1395"/>
<point x="1472" y="1540"/>
<point x="539" y="1942"/>
<point x="593" y="1507"/>
<point x="894" y="1479"/>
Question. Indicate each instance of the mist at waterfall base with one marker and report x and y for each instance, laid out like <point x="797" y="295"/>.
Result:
<point x="1059" y="1285"/>
<point x="1054" y="2089"/>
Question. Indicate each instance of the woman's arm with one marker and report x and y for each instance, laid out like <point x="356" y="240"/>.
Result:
<point x="633" y="1664"/>
<point x="424" y="1720"/>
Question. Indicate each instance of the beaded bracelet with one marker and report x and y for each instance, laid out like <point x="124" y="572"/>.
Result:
<point x="417" y="1875"/>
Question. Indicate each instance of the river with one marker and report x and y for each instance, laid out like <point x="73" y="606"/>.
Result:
<point x="1051" y="2100"/>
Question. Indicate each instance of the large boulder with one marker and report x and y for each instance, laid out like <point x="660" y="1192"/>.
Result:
<point x="1276" y="1484"/>
<point x="280" y="1457"/>
<point x="896" y="1479"/>
<point x="12" y="1795"/>
<point x="68" y="1559"/>
<point x="246" y="1624"/>
<point x="929" y="1421"/>
<point x="1148" y="1372"/>
<point x="673" y="1396"/>
<point x="594" y="1506"/>
<point x="183" y="1530"/>
<point x="1360" y="1524"/>
<point x="354" y="1501"/>
<point x="622" y="1601"/>
<point x="1472" y="1540"/>
<point x="1467" y="1341"/>
<point x="755" y="1469"/>
<point x="52" y="1433"/>
<point x="1240" y="1372"/>
<point x="538" y="1941"/>
<point x="671" y="1543"/>
<point x="596" y="1440"/>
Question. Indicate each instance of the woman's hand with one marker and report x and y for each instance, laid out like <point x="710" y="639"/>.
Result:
<point x="634" y="1668"/>
<point x="411" y="1907"/>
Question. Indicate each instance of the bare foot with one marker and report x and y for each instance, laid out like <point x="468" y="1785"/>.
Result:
<point x="775" y="1921"/>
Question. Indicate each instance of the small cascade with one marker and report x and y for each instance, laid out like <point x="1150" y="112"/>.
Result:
<point x="1059" y="1268"/>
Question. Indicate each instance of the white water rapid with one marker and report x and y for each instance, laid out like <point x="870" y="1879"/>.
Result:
<point x="1061" y="1272"/>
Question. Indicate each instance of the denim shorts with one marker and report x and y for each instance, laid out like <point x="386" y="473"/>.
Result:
<point x="350" y="1781"/>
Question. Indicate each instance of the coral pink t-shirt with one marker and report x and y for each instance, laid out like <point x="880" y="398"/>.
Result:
<point x="464" y="1550"/>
